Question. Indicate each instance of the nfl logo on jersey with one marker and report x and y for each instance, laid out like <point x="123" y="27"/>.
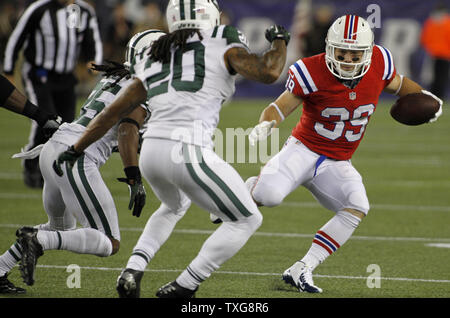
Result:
<point x="352" y="95"/>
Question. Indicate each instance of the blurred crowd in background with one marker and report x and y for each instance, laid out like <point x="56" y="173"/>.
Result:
<point x="119" y="20"/>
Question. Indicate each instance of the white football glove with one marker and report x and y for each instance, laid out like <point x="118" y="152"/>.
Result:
<point x="439" y="112"/>
<point x="261" y="131"/>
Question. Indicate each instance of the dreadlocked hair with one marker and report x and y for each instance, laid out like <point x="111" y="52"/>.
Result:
<point x="112" y="69"/>
<point x="160" y="51"/>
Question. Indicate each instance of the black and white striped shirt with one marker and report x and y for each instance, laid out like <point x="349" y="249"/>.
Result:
<point x="52" y="36"/>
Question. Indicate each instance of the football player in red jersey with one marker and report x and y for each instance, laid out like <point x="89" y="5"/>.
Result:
<point x="339" y="90"/>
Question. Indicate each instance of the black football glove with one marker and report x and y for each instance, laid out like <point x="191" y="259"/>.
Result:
<point x="137" y="190"/>
<point x="51" y="125"/>
<point x="277" y="32"/>
<point x="69" y="157"/>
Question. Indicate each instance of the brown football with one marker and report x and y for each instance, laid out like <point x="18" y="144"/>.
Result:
<point x="414" y="109"/>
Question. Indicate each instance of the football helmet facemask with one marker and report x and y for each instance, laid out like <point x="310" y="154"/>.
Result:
<point x="196" y="14"/>
<point x="349" y="32"/>
<point x="138" y="42"/>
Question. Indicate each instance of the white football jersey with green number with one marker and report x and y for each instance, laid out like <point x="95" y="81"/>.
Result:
<point x="186" y="94"/>
<point x="101" y="96"/>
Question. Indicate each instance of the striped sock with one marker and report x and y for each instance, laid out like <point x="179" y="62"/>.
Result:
<point x="138" y="260"/>
<point x="199" y="270"/>
<point x="330" y="237"/>
<point x="10" y="258"/>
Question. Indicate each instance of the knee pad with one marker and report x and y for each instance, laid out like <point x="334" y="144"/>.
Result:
<point x="267" y="195"/>
<point x="256" y="220"/>
<point x="248" y="224"/>
<point x="250" y="183"/>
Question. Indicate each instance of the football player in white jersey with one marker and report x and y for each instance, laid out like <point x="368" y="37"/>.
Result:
<point x="185" y="77"/>
<point x="80" y="194"/>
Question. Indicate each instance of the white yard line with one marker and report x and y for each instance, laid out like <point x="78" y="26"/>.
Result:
<point x="270" y="234"/>
<point x="306" y="204"/>
<point x="256" y="274"/>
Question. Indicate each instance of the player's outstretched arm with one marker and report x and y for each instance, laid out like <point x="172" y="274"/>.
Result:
<point x="266" y="68"/>
<point x="134" y="95"/>
<point x="15" y="101"/>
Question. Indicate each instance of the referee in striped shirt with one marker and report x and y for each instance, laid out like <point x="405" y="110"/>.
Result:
<point x="53" y="35"/>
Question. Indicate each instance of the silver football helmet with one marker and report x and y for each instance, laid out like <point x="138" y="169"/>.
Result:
<point x="192" y="14"/>
<point x="140" y="41"/>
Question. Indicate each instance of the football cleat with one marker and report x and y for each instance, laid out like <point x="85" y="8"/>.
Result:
<point x="6" y="287"/>
<point x="31" y="251"/>
<point x="304" y="282"/>
<point x="129" y="283"/>
<point x="173" y="290"/>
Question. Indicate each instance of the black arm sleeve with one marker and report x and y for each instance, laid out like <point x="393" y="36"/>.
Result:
<point x="6" y="89"/>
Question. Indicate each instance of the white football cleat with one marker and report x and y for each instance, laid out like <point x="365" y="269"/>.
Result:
<point x="299" y="275"/>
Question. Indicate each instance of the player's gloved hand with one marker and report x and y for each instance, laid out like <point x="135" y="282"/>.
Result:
<point x="439" y="112"/>
<point x="51" y="125"/>
<point x="69" y="157"/>
<point x="261" y="131"/>
<point x="137" y="190"/>
<point x="277" y="32"/>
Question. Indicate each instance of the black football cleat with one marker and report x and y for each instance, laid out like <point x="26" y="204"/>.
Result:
<point x="6" y="287"/>
<point x="129" y="283"/>
<point x="31" y="251"/>
<point x="173" y="290"/>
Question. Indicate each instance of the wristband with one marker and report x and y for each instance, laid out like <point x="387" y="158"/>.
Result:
<point x="278" y="110"/>
<point x="133" y="173"/>
<point x="400" y="86"/>
<point x="130" y="121"/>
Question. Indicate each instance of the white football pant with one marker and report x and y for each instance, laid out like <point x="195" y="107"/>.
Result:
<point x="179" y="173"/>
<point x="336" y="185"/>
<point x="79" y="194"/>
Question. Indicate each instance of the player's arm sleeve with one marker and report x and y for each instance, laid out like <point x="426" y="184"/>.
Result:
<point x="299" y="81"/>
<point x="389" y="71"/>
<point x="17" y="38"/>
<point x="233" y="37"/>
<point x="6" y="89"/>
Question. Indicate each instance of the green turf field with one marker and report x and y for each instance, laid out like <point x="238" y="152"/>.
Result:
<point x="406" y="171"/>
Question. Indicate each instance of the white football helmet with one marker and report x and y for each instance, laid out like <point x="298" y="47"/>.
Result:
<point x="192" y="14"/>
<point x="349" y="32"/>
<point x="140" y="41"/>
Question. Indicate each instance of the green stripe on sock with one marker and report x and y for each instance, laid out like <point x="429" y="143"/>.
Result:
<point x="93" y="198"/>
<point x="18" y="247"/>
<point x="203" y="185"/>
<point x="83" y="205"/>
<point x="16" y="257"/>
<point x="59" y="240"/>
<point x="141" y="255"/>
<point x="222" y="185"/>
